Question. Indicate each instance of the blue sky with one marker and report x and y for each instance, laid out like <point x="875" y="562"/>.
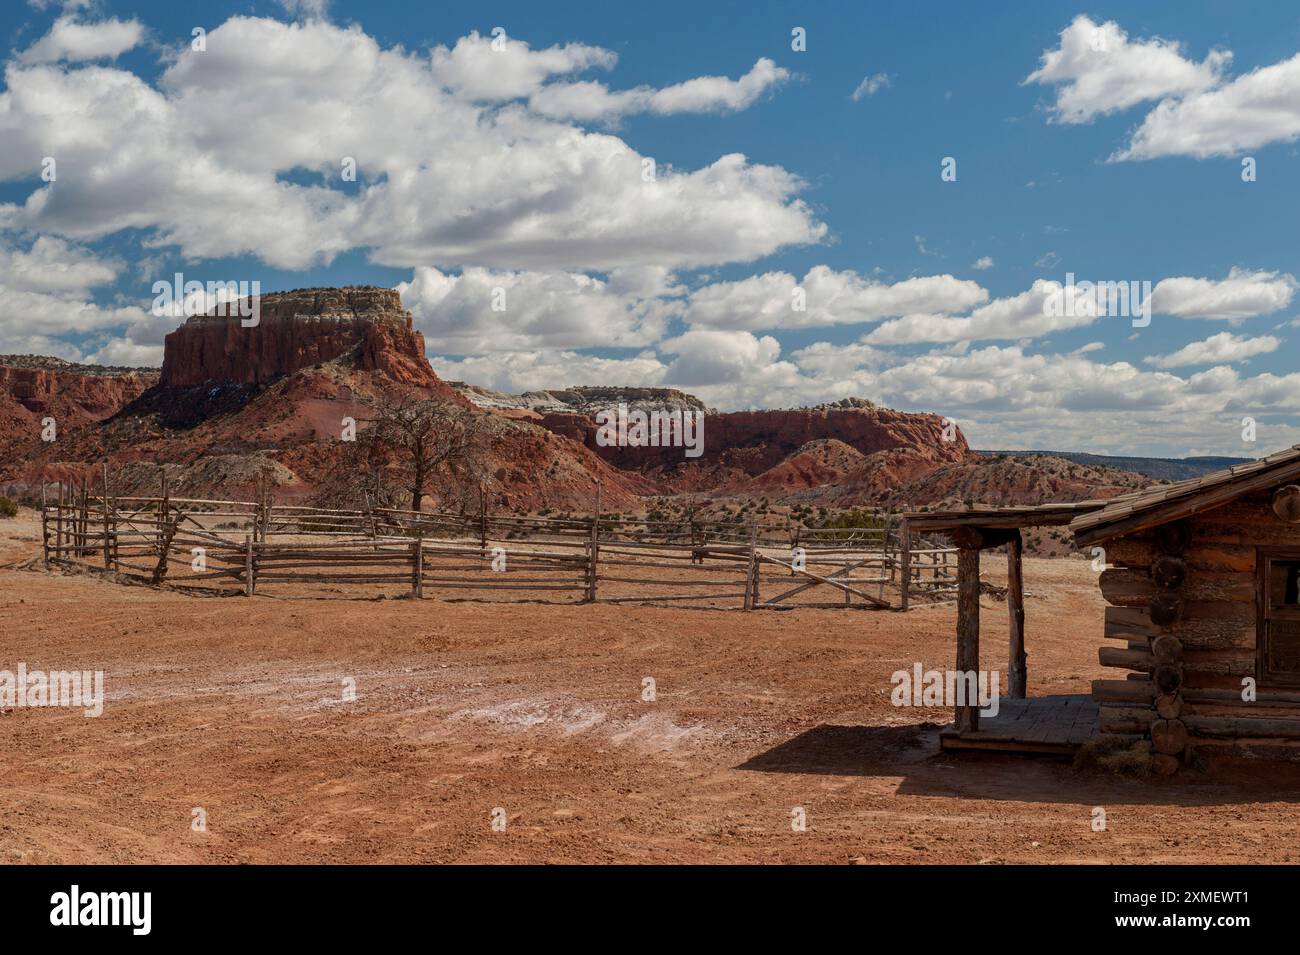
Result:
<point x="1093" y="140"/>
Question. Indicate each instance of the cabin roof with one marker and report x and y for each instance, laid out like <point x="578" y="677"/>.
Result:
<point x="993" y="516"/>
<point x="1163" y="503"/>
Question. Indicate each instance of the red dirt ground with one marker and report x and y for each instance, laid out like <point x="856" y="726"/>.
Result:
<point x="234" y="705"/>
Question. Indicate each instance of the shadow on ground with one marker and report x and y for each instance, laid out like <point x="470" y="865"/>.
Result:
<point x="911" y="753"/>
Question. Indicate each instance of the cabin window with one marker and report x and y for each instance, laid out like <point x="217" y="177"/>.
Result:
<point x="1279" y="618"/>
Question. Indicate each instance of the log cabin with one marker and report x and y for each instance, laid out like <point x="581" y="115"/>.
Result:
<point x="1202" y="582"/>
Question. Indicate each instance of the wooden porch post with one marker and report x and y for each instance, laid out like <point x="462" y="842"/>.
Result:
<point x="1017" y="674"/>
<point x="967" y="718"/>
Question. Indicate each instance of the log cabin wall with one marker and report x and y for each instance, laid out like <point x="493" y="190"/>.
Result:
<point x="1183" y="619"/>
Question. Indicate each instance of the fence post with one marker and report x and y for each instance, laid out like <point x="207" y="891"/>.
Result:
<point x="45" y="526"/>
<point x="374" y="526"/>
<point x="164" y="508"/>
<point x="58" y="525"/>
<point x="593" y="556"/>
<point x="262" y="515"/>
<point x="482" y="523"/>
<point x="165" y="546"/>
<point x="83" y="536"/>
<point x="417" y="564"/>
<point x="108" y="561"/>
<point x="886" y="560"/>
<point x="248" y="565"/>
<point x="905" y="557"/>
<point x="751" y="570"/>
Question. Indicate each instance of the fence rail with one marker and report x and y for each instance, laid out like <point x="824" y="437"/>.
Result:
<point x="259" y="546"/>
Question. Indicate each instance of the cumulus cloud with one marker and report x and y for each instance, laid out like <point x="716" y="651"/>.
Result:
<point x="55" y="315"/>
<point x="830" y="298"/>
<point x="982" y="263"/>
<point x="45" y="292"/>
<point x="1217" y="349"/>
<point x="126" y="352"/>
<point x="589" y="100"/>
<point x="305" y="8"/>
<point x="1020" y="316"/>
<point x="444" y="180"/>
<point x="1242" y="295"/>
<point x="549" y="369"/>
<point x="1098" y="70"/>
<point x="707" y="356"/>
<point x="1007" y="398"/>
<point x="1258" y="108"/>
<point x="503" y="68"/>
<point x="482" y="310"/>
<point x="47" y="306"/>
<point x="53" y="265"/>
<point x="72" y="40"/>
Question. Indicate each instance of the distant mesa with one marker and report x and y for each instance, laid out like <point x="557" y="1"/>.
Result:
<point x="296" y="330"/>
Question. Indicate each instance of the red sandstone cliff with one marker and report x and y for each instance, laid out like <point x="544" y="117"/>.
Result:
<point x="756" y="441"/>
<point x="33" y="388"/>
<point x="296" y="330"/>
<point x="80" y="392"/>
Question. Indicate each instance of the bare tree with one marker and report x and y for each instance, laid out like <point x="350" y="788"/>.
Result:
<point x="427" y="437"/>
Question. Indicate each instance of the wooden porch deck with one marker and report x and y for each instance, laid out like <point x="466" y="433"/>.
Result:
<point x="1043" y="724"/>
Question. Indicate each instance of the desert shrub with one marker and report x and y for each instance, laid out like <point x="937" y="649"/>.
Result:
<point x="8" y="507"/>
<point x="1120" y="755"/>
<point x="853" y="518"/>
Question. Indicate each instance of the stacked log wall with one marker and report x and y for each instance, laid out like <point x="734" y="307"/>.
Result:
<point x="1189" y="643"/>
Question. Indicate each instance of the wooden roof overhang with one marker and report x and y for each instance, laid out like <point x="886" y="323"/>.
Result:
<point x="990" y="517"/>
<point x="1163" y="503"/>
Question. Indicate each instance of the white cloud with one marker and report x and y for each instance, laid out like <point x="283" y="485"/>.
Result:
<point x="1258" y="108"/>
<point x="45" y="292"/>
<point x="1099" y="70"/>
<point x="1243" y="294"/>
<point x="982" y="263"/>
<point x="831" y="298"/>
<point x="547" y="310"/>
<point x="707" y="356"/>
<point x="870" y="86"/>
<point x="503" y="68"/>
<point x="1021" y="316"/>
<point x="589" y="100"/>
<point x="53" y="265"/>
<point x="1217" y="349"/>
<point x="123" y="352"/>
<point x="23" y="313"/>
<point x="316" y="9"/>
<point x="444" y="181"/>
<point x="1006" y="398"/>
<point x="544" y="370"/>
<point x="72" y="40"/>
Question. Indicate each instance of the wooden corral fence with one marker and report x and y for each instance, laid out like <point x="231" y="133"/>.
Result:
<point x="257" y="545"/>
